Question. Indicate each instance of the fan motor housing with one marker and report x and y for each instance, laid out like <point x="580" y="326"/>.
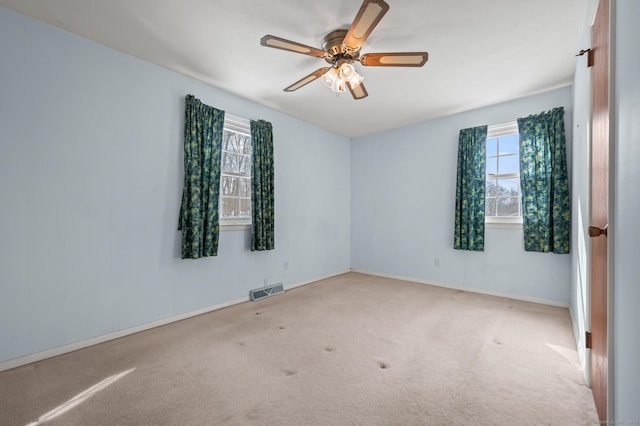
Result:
<point x="332" y="44"/>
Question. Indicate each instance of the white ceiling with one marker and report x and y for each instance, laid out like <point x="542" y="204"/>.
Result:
<point x="481" y="52"/>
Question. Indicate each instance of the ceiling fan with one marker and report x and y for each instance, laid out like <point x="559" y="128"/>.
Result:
<point x="342" y="47"/>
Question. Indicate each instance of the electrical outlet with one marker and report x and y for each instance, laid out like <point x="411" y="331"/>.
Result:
<point x="286" y="265"/>
<point x="265" y="282"/>
<point x="436" y="261"/>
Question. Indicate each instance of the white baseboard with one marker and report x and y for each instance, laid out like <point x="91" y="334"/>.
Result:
<point x="469" y="289"/>
<point x="38" y="356"/>
<point x="49" y="353"/>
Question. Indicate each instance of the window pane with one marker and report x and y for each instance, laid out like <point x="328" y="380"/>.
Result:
<point x="245" y="187"/>
<point x="508" y="164"/>
<point x="230" y="163"/>
<point x="225" y="139"/>
<point x="229" y="207"/>
<point x="509" y="206"/>
<point x="492" y="165"/>
<point x="236" y="142"/>
<point x="228" y="141"/>
<point x="229" y="185"/>
<point x="510" y="187"/>
<point x="246" y="144"/>
<point x="492" y="147"/>
<point x="491" y="188"/>
<point x="245" y="165"/>
<point x="245" y="207"/>
<point x="509" y="144"/>
<point x="490" y="206"/>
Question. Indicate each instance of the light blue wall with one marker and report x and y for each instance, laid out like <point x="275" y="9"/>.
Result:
<point x="403" y="198"/>
<point x="626" y="226"/>
<point x="90" y="185"/>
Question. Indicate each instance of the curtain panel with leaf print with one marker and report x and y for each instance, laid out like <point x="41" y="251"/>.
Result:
<point x="199" y="223"/>
<point x="470" y="189"/>
<point x="546" y="209"/>
<point x="262" y="191"/>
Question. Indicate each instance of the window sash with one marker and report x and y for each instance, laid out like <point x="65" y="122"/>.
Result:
<point x="498" y="131"/>
<point x="241" y="127"/>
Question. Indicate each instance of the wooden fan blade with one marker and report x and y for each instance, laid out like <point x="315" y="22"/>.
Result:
<point x="307" y="79"/>
<point x="358" y="92"/>
<point x="291" y="46"/>
<point x="395" y="59"/>
<point x="370" y="13"/>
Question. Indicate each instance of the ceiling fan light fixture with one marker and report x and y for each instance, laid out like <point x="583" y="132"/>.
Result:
<point x="346" y="70"/>
<point x="341" y="48"/>
<point x="336" y="79"/>
<point x="333" y="80"/>
<point x="329" y="78"/>
<point x="349" y="74"/>
<point x="355" y="80"/>
<point x="339" y="86"/>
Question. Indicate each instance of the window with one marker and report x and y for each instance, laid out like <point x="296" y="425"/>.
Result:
<point x="235" y="173"/>
<point x="503" y="203"/>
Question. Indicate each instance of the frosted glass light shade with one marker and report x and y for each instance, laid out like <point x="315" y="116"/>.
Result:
<point x="336" y="78"/>
<point x="349" y="74"/>
<point x="329" y="78"/>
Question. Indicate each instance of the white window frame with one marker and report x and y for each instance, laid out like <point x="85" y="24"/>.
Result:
<point x="242" y="126"/>
<point x="493" y="131"/>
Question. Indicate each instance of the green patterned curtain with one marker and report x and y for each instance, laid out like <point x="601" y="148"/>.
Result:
<point x="470" y="189"/>
<point x="203" y="127"/>
<point x="546" y="211"/>
<point x="262" y="197"/>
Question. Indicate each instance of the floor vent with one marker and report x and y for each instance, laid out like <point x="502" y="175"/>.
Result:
<point x="261" y="293"/>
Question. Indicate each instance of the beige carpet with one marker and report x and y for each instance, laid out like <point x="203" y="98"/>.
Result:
<point x="351" y="350"/>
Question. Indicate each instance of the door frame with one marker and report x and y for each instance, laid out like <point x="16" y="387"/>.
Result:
<point x="611" y="213"/>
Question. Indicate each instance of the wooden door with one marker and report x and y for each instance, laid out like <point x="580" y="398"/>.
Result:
<point x="600" y="208"/>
